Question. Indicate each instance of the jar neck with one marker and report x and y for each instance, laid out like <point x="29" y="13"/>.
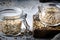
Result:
<point x="11" y="17"/>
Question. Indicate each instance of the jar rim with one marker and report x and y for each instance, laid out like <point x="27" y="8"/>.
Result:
<point x="11" y="11"/>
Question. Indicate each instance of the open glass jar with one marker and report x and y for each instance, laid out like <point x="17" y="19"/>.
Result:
<point x="12" y="20"/>
<point x="49" y="14"/>
<point x="46" y="22"/>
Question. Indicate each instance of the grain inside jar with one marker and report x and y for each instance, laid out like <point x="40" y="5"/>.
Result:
<point x="11" y="26"/>
<point x="50" y="15"/>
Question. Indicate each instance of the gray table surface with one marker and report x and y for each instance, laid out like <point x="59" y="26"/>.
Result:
<point x="20" y="38"/>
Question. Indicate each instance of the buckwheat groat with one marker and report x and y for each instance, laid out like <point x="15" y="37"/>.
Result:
<point x="50" y="16"/>
<point x="11" y="26"/>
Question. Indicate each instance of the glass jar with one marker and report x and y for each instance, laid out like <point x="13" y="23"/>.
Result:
<point x="46" y="22"/>
<point x="49" y="14"/>
<point x="12" y="19"/>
